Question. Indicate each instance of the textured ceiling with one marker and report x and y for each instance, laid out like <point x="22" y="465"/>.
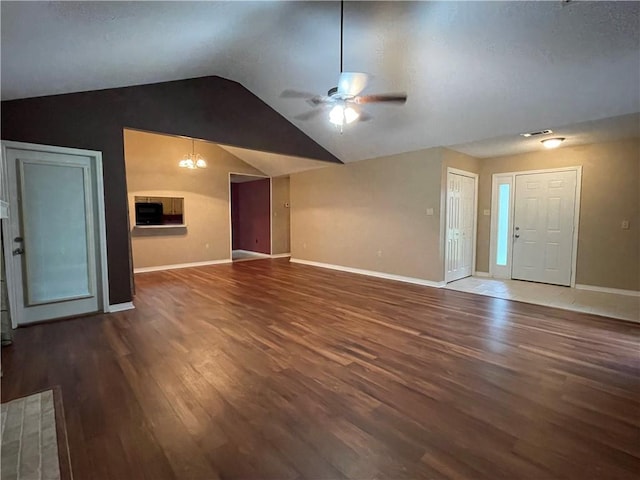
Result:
<point x="274" y="164"/>
<point x="472" y="70"/>
<point x="597" y="131"/>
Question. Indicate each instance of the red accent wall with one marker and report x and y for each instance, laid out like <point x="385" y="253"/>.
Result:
<point x="251" y="215"/>
<point x="235" y="216"/>
<point x="209" y="108"/>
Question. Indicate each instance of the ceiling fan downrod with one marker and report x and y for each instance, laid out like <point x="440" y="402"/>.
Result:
<point x="341" y="30"/>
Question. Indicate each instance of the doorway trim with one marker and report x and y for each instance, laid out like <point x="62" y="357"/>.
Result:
<point x="475" y="177"/>
<point x="494" y="224"/>
<point x="270" y="210"/>
<point x="96" y="158"/>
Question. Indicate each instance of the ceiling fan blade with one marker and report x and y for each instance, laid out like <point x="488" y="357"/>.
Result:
<point x="364" y="117"/>
<point x="296" y="94"/>
<point x="320" y="100"/>
<point x="309" y="115"/>
<point x="389" y="97"/>
<point x="352" y="83"/>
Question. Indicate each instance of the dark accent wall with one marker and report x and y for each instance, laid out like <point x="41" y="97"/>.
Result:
<point x="209" y="108"/>
<point x="251" y="215"/>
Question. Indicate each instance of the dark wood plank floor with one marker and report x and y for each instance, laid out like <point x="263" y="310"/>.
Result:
<point x="266" y="369"/>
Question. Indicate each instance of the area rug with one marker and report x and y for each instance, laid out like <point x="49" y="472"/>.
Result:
<point x="34" y="438"/>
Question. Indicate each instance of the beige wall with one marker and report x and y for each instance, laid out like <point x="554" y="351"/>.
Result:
<point x="607" y="255"/>
<point x="460" y="161"/>
<point x="152" y="170"/>
<point x="372" y="215"/>
<point x="280" y="224"/>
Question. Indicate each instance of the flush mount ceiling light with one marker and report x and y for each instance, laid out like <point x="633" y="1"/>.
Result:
<point x="191" y="160"/>
<point x="552" y="142"/>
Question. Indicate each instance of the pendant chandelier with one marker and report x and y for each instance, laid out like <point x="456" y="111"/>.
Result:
<point x="191" y="160"/>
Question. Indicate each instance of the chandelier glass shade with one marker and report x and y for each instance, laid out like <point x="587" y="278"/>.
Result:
<point x="193" y="160"/>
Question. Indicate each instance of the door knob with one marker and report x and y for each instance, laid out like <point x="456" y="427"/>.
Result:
<point x="18" y="239"/>
<point x="517" y="235"/>
<point x="18" y="251"/>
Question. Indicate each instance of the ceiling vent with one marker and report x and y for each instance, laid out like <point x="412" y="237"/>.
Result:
<point x="535" y="134"/>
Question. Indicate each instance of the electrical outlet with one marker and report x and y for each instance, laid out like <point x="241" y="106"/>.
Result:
<point x="625" y="224"/>
<point x="429" y="211"/>
<point x="486" y="212"/>
<point x="379" y="253"/>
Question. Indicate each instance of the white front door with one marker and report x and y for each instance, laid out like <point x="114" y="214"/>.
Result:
<point x="543" y="227"/>
<point x="52" y="238"/>
<point x="460" y="226"/>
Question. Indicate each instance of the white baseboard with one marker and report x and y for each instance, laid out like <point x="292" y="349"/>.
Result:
<point x="617" y="291"/>
<point x="480" y="274"/>
<point x="120" y="307"/>
<point x="371" y="273"/>
<point x="280" y="255"/>
<point x="180" y="265"/>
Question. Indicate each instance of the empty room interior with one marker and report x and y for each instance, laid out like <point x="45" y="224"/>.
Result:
<point x="320" y="240"/>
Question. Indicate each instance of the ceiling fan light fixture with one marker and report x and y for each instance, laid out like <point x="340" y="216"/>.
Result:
<point x="552" y="142"/>
<point x="336" y="115"/>
<point x="340" y="115"/>
<point x="350" y="115"/>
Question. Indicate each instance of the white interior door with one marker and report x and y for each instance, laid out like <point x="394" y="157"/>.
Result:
<point x="460" y="226"/>
<point x="52" y="238"/>
<point x="543" y="227"/>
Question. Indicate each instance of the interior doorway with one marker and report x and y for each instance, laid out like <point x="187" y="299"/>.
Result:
<point x="461" y="224"/>
<point x="250" y="204"/>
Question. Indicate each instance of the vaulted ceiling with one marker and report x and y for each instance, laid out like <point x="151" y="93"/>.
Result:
<point x="475" y="72"/>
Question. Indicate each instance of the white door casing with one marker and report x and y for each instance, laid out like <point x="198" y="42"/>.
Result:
<point x="55" y="243"/>
<point x="543" y="227"/>
<point x="460" y="224"/>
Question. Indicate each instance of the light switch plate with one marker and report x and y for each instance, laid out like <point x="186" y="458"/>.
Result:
<point x="429" y="211"/>
<point x="486" y="212"/>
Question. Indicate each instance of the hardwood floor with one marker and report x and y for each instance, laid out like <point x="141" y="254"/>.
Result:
<point x="267" y="369"/>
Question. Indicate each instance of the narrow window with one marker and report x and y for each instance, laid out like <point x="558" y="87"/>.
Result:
<point x="503" y="224"/>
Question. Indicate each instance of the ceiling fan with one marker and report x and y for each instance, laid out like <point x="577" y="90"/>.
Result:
<point x="344" y="100"/>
